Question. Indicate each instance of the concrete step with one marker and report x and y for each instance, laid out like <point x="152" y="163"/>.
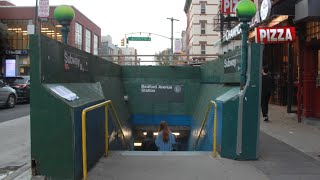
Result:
<point x="171" y="165"/>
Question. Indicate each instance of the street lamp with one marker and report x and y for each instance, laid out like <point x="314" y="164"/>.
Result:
<point x="64" y="14"/>
<point x="245" y="10"/>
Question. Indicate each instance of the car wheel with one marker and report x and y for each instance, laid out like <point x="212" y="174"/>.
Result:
<point x="11" y="102"/>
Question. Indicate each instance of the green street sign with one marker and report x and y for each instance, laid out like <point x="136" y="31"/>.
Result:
<point x="139" y="38"/>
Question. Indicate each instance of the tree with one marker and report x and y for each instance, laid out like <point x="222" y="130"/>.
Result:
<point x="4" y="42"/>
<point x="162" y="58"/>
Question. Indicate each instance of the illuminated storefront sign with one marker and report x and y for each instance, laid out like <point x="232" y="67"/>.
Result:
<point x="275" y="35"/>
<point x="234" y="32"/>
<point x="230" y="34"/>
<point x="17" y="52"/>
<point x="229" y="6"/>
<point x="10" y="67"/>
<point x="265" y="9"/>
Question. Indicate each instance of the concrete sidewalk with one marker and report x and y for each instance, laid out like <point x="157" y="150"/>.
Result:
<point x="285" y="127"/>
<point x="14" y="145"/>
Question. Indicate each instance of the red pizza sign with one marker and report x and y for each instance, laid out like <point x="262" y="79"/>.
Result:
<point x="275" y="35"/>
<point x="228" y="6"/>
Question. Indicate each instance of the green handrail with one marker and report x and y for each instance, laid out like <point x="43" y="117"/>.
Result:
<point x="214" y="144"/>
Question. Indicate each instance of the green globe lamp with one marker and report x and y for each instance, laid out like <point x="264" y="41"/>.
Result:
<point x="64" y="14"/>
<point x="245" y="11"/>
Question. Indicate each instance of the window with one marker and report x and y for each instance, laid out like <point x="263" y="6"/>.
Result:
<point x="203" y="7"/>
<point x="95" y="45"/>
<point x="17" y="33"/>
<point x="313" y="30"/>
<point x="203" y="47"/>
<point x="203" y="27"/>
<point x="88" y="41"/>
<point x="78" y="36"/>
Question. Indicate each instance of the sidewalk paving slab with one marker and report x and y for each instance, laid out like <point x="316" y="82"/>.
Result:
<point x="278" y="161"/>
<point x="286" y="128"/>
<point x="15" y="144"/>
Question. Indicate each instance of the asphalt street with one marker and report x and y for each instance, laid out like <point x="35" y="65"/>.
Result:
<point x="20" y="110"/>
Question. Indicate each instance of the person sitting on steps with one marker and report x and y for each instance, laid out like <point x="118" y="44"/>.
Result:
<point x="165" y="140"/>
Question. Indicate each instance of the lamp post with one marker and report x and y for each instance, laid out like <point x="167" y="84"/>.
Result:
<point x="172" y="19"/>
<point x="245" y="10"/>
<point x="36" y="18"/>
<point x="64" y="14"/>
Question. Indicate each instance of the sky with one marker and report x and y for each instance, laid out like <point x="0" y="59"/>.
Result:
<point x="120" y="17"/>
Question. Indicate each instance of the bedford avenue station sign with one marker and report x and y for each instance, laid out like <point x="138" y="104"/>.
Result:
<point x="162" y="92"/>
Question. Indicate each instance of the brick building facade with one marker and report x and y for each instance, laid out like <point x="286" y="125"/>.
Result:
<point x="84" y="34"/>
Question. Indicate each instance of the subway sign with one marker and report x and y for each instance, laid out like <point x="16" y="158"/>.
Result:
<point x="232" y="64"/>
<point x="275" y="35"/>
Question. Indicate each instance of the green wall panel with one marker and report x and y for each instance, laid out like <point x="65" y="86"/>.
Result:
<point x="55" y="122"/>
<point x="207" y="92"/>
<point x="251" y="107"/>
<point x="213" y="71"/>
<point x="51" y="128"/>
<point x="53" y="66"/>
<point x="134" y="76"/>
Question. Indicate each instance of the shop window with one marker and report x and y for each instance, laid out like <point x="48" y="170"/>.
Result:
<point x="313" y="30"/>
<point x="24" y="65"/>
<point x="17" y="30"/>
<point x="88" y="41"/>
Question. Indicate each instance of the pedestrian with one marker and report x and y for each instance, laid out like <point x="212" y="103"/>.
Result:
<point x="266" y="91"/>
<point x="163" y="125"/>
<point x="148" y="144"/>
<point x="165" y="140"/>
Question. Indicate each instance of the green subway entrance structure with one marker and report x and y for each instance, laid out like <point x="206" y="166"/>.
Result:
<point x="65" y="81"/>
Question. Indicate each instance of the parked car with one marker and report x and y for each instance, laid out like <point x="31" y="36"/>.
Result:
<point x="22" y="86"/>
<point x="8" y="96"/>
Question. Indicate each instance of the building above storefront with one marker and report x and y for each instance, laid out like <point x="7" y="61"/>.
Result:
<point x="307" y="10"/>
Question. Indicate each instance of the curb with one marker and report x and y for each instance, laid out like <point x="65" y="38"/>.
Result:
<point x="18" y="172"/>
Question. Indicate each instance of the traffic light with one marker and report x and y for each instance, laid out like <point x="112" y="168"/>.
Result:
<point x="122" y="42"/>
